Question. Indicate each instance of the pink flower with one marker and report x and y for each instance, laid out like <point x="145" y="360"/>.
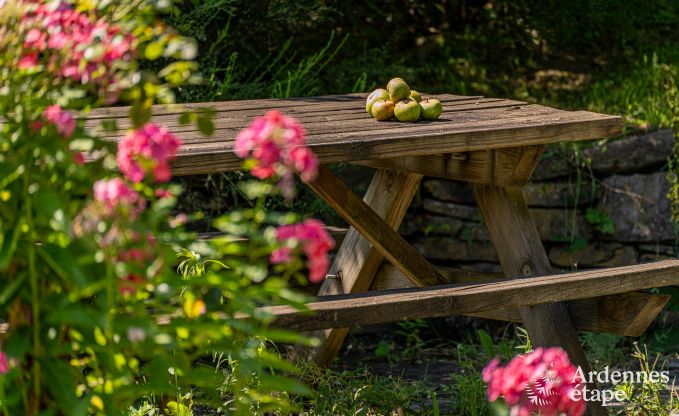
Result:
<point x="179" y="220"/>
<point x="315" y="242"/>
<point x="74" y="44"/>
<point x="281" y="255"/>
<point x="61" y="119"/>
<point x="35" y="39"/>
<point x="150" y="148"/>
<point x="115" y="193"/>
<point x="28" y="61"/>
<point x="4" y="364"/>
<point x="79" y="158"/>
<point x="305" y="162"/>
<point x="277" y="145"/>
<point x="162" y="193"/>
<point x="541" y="381"/>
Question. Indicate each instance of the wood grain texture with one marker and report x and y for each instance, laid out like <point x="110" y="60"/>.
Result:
<point x="288" y="104"/>
<point x="521" y="254"/>
<point x="369" y="224"/>
<point x="476" y="298"/>
<point x="501" y="167"/>
<point x="328" y="122"/>
<point x="340" y="131"/>
<point x="357" y="261"/>
<point x="389" y="277"/>
<point x="626" y="314"/>
<point x="313" y="113"/>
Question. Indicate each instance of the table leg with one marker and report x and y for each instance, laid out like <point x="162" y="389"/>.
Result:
<point x="357" y="261"/>
<point x="522" y="254"/>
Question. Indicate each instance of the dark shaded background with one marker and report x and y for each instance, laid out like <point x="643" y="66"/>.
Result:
<point x="539" y="50"/>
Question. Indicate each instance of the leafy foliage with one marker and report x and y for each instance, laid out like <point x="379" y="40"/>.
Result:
<point x="98" y="320"/>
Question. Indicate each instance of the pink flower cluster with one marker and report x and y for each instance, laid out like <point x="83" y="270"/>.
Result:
<point x="149" y="148"/>
<point x="61" y="119"/>
<point x="315" y="241"/>
<point x="277" y="145"/>
<point x="115" y="193"/>
<point x="540" y="382"/>
<point x="73" y="44"/>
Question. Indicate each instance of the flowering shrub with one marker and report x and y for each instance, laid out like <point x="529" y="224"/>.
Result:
<point x="275" y="146"/>
<point x="315" y="242"/>
<point x="540" y="382"/>
<point x="95" y="319"/>
<point x="149" y="146"/>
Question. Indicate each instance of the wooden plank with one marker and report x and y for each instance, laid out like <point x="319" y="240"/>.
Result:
<point x="352" y="123"/>
<point x="357" y="261"/>
<point x="501" y="167"/>
<point x="627" y="314"/>
<point x="312" y="113"/>
<point x="388" y="277"/>
<point x="366" y="126"/>
<point x="521" y="254"/>
<point x="337" y="101"/>
<point x="433" y="138"/>
<point x="474" y="298"/>
<point x="526" y="165"/>
<point x="369" y="224"/>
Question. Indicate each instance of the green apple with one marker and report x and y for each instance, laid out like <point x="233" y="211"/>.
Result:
<point x="407" y="110"/>
<point x="414" y="95"/>
<point x="383" y="110"/>
<point x="378" y="94"/>
<point x="431" y="109"/>
<point x="398" y="90"/>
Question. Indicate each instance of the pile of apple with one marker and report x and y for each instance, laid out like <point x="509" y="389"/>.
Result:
<point x="399" y="101"/>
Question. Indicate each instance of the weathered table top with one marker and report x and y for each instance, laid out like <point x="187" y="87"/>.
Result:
<point x="339" y="130"/>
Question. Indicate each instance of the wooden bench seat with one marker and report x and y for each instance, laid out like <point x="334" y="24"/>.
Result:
<point x="482" y="299"/>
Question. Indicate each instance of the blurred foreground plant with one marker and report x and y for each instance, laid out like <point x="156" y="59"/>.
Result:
<point x="95" y="318"/>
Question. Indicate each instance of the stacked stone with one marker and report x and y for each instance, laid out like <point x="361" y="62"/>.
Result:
<point x="625" y="186"/>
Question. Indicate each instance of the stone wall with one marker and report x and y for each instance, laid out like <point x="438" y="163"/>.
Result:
<point x="612" y="211"/>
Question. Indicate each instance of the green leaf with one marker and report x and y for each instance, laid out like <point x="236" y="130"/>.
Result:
<point x="205" y="125"/>
<point x="277" y="383"/>
<point x="63" y="264"/>
<point x="177" y="409"/>
<point x="500" y="408"/>
<point x="9" y="245"/>
<point x="110" y="126"/>
<point x="140" y="113"/>
<point x="154" y="50"/>
<point x="186" y="118"/>
<point x="487" y="343"/>
<point x="47" y="202"/>
<point x="77" y="315"/>
<point x="61" y="385"/>
<point x="12" y="288"/>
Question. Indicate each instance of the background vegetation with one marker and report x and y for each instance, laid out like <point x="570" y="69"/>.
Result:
<point x="602" y="54"/>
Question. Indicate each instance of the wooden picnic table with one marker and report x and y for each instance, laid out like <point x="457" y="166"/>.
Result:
<point x="493" y="144"/>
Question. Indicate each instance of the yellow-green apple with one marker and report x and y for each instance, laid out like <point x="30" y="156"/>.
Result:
<point x="407" y="110"/>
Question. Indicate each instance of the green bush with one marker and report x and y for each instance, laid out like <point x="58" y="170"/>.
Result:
<point x="490" y="47"/>
<point x="96" y="319"/>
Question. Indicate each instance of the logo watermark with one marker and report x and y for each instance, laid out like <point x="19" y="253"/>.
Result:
<point x="541" y="392"/>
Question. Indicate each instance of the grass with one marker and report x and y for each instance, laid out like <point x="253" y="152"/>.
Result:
<point x="358" y="392"/>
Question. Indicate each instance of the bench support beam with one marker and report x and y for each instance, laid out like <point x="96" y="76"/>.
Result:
<point x="501" y="167"/>
<point x="522" y="254"/>
<point x="357" y="261"/>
